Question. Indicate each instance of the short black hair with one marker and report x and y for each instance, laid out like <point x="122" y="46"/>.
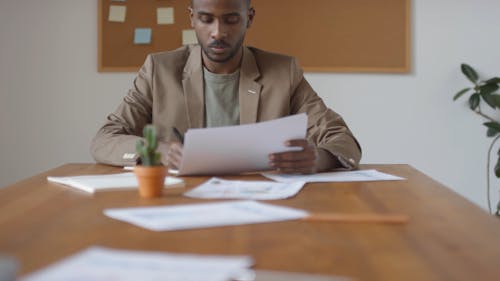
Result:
<point x="246" y="1"/>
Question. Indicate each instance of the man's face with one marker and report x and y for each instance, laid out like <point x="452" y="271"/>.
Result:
<point x="220" y="26"/>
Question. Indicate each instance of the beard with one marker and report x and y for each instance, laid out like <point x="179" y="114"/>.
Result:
<point x="221" y="43"/>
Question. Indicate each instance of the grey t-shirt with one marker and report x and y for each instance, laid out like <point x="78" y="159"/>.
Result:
<point x="222" y="107"/>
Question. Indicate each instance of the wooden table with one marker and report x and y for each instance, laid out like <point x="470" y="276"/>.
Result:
<point x="447" y="237"/>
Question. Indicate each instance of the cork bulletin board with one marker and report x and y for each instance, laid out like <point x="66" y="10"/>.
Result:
<point x="324" y="35"/>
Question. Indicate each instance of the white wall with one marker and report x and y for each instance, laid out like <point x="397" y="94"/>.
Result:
<point x="52" y="100"/>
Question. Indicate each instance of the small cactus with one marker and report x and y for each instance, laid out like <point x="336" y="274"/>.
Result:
<point x="146" y="148"/>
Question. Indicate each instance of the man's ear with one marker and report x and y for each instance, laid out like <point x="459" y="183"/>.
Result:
<point x="191" y="14"/>
<point x="251" y="15"/>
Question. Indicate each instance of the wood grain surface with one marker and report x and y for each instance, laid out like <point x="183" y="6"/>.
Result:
<point x="446" y="237"/>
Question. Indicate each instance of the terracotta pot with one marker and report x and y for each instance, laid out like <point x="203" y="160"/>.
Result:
<point x="151" y="180"/>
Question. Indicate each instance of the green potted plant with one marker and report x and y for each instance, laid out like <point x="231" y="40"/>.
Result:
<point x="485" y="92"/>
<point x="150" y="173"/>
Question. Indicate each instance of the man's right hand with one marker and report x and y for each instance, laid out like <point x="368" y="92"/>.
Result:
<point x="171" y="154"/>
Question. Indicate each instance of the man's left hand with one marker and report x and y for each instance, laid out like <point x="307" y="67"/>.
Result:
<point x="308" y="160"/>
<point x="302" y="161"/>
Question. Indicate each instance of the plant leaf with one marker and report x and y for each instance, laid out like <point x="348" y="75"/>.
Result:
<point x="491" y="132"/>
<point x="497" y="168"/>
<point x="495" y="80"/>
<point x="490" y="101"/>
<point x="459" y="94"/>
<point x="488" y="88"/>
<point x="497" y="100"/>
<point x="470" y="73"/>
<point x="474" y="101"/>
<point x="493" y="126"/>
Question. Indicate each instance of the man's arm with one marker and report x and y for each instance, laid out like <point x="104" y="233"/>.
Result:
<point x="114" y="143"/>
<point x="335" y="146"/>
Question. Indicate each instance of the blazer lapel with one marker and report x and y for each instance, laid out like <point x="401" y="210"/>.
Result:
<point x="192" y="84"/>
<point x="249" y="89"/>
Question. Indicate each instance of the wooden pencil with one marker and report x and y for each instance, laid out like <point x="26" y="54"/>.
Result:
<point x="357" y="218"/>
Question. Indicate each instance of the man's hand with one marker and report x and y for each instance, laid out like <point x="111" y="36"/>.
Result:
<point x="308" y="160"/>
<point x="171" y="154"/>
<point x="296" y="162"/>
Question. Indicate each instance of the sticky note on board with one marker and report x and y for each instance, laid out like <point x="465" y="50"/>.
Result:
<point x="117" y="13"/>
<point x="165" y="15"/>
<point x="142" y="36"/>
<point x="189" y="37"/>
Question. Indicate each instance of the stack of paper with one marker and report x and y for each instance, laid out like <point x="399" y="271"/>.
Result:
<point x="101" y="264"/>
<point x="204" y="215"/>
<point x="216" y="188"/>
<point x="349" y="176"/>
<point x="94" y="183"/>
<point x="241" y="148"/>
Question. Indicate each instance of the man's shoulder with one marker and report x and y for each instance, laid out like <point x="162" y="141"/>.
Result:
<point x="273" y="65"/>
<point x="180" y="54"/>
<point x="263" y="56"/>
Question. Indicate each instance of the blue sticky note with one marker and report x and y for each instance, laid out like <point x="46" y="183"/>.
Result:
<point x="142" y="36"/>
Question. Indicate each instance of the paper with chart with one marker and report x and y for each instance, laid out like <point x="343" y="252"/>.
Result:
<point x="235" y="149"/>
<point x="217" y="188"/>
<point x="345" y="176"/>
<point x="95" y="183"/>
<point x="104" y="264"/>
<point x="204" y="215"/>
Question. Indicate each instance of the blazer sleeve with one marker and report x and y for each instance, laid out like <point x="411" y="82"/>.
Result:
<point x="114" y="143"/>
<point x="326" y="129"/>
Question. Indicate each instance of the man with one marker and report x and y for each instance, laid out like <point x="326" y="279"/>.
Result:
<point x="220" y="82"/>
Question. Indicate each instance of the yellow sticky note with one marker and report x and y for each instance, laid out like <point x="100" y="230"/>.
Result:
<point x="117" y="13"/>
<point x="165" y="15"/>
<point x="189" y="37"/>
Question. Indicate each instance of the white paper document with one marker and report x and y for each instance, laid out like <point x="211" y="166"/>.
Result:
<point x="204" y="215"/>
<point x="348" y="176"/>
<point x="102" y="264"/>
<point x="216" y="188"/>
<point x="235" y="149"/>
<point x="95" y="183"/>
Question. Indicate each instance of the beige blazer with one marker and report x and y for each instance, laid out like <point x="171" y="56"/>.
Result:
<point x="168" y="92"/>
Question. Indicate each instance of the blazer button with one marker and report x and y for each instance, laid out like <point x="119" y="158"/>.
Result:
<point x="128" y="156"/>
